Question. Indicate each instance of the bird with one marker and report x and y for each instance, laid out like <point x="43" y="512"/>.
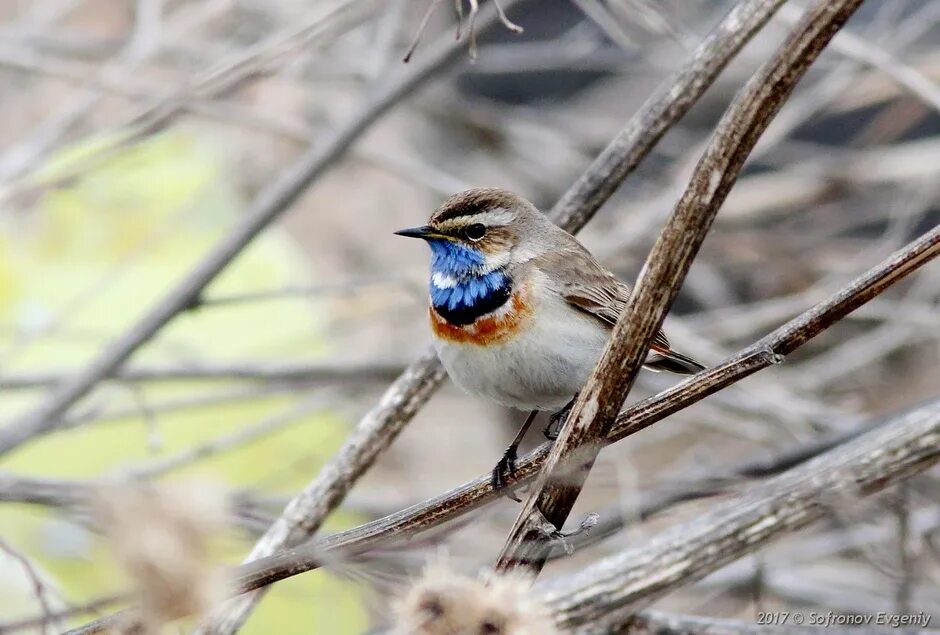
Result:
<point x="520" y="310"/>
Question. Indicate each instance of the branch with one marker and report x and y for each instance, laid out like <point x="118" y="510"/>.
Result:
<point x="298" y="372"/>
<point x="625" y="582"/>
<point x="586" y="430"/>
<point x="247" y="509"/>
<point x="35" y="578"/>
<point x="695" y="486"/>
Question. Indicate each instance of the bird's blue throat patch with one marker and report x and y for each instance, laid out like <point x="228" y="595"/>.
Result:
<point x="475" y="293"/>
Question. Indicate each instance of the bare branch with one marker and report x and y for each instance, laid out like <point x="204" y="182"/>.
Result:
<point x="694" y="486"/>
<point x="289" y="373"/>
<point x="53" y="617"/>
<point x="670" y="102"/>
<point x="35" y="578"/>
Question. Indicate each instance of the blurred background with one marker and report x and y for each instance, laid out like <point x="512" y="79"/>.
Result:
<point x="135" y="133"/>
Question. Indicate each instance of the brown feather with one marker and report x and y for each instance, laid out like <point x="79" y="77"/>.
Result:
<point x="590" y="288"/>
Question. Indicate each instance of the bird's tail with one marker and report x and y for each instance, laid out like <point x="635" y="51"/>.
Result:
<point x="668" y="360"/>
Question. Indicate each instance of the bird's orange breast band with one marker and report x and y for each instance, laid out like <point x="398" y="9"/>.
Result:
<point x="489" y="329"/>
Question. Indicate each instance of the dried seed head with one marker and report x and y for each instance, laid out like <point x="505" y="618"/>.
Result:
<point x="160" y="536"/>
<point x="443" y="602"/>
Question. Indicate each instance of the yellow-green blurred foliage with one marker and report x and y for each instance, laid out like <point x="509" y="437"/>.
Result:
<point x="77" y="270"/>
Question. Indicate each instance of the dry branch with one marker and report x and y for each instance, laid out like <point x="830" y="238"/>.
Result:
<point x="256" y="371"/>
<point x="40" y="589"/>
<point x="668" y="104"/>
<point x="585" y="433"/>
<point x="626" y="582"/>
<point x="660" y="498"/>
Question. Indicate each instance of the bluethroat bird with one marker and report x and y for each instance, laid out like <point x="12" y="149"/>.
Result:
<point x="520" y="310"/>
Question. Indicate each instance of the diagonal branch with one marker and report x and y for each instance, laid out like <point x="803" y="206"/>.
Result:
<point x="596" y="408"/>
<point x="627" y="581"/>
<point x="660" y="498"/>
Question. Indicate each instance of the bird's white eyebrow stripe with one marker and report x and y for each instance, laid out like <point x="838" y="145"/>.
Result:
<point x="496" y="217"/>
<point x="443" y="281"/>
<point x="491" y="218"/>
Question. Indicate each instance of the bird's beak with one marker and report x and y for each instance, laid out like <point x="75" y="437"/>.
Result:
<point x="425" y="231"/>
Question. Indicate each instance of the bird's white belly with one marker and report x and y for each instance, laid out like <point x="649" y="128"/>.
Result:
<point x="540" y="368"/>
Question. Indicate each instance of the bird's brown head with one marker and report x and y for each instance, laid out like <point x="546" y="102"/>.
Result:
<point x="487" y="222"/>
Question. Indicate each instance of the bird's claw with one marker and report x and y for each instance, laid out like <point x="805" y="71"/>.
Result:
<point x="552" y="430"/>
<point x="555" y="422"/>
<point x="506" y="467"/>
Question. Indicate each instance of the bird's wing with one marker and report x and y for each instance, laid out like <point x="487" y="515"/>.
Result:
<point x="587" y="286"/>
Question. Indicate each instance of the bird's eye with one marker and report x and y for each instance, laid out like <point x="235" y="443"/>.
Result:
<point x="475" y="231"/>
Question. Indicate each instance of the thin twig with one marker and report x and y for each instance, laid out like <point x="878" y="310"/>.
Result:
<point x="421" y="27"/>
<point x="245" y="435"/>
<point x="41" y="621"/>
<point x="35" y="578"/>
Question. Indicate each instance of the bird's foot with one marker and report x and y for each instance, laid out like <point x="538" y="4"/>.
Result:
<point x="505" y="468"/>
<point x="556" y="421"/>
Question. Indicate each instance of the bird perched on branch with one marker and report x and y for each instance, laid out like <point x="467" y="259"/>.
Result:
<point x="520" y="310"/>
